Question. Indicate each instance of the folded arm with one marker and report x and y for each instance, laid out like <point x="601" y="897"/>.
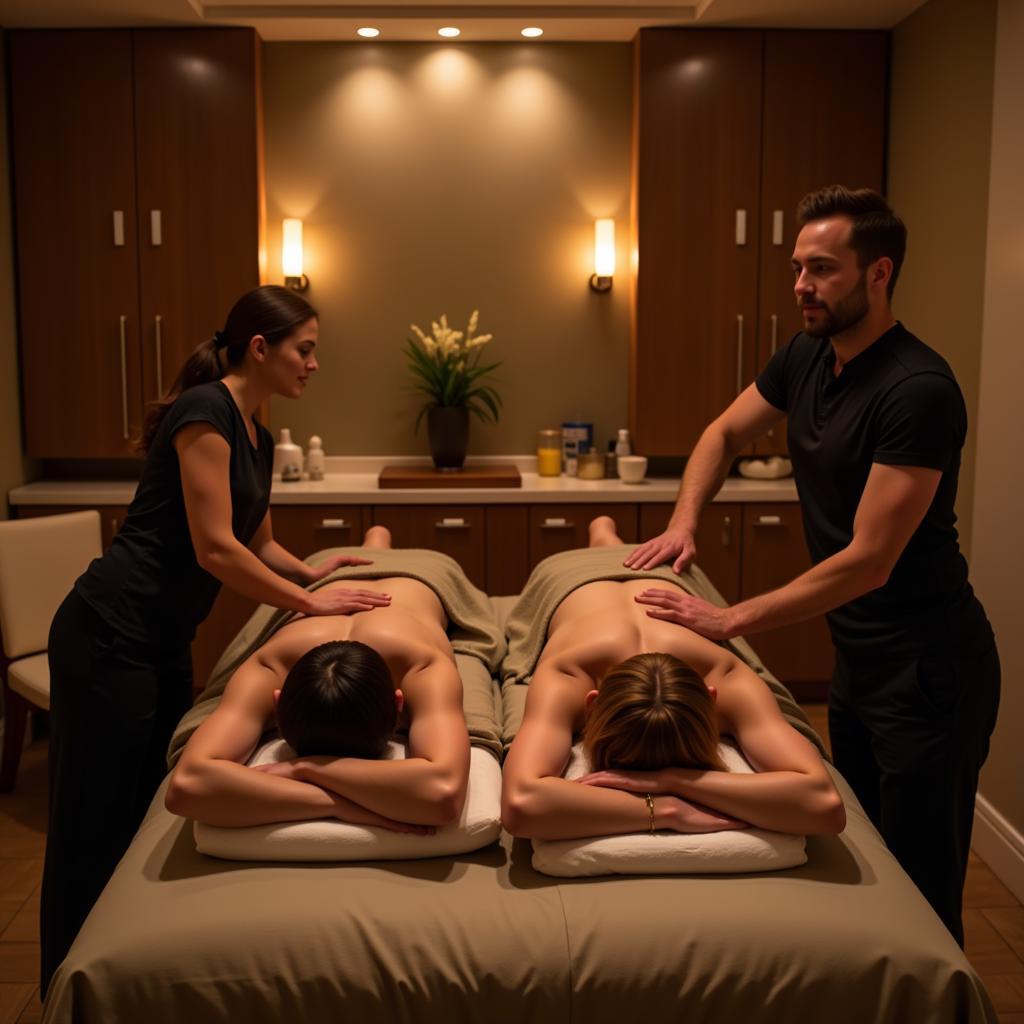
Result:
<point x="537" y="803"/>
<point x="429" y="786"/>
<point x="790" y="791"/>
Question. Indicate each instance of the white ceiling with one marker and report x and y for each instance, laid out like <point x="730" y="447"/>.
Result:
<point x="480" y="20"/>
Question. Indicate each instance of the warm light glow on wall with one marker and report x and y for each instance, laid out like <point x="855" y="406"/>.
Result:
<point x="604" y="254"/>
<point x="291" y="254"/>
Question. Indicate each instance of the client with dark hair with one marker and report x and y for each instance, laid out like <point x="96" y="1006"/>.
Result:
<point x="338" y="687"/>
<point x="651" y="700"/>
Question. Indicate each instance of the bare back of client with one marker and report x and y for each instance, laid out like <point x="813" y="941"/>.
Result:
<point x="338" y="687"/>
<point x="651" y="699"/>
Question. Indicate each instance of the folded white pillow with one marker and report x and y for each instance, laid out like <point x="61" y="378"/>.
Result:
<point x="327" y="839"/>
<point x="669" y="853"/>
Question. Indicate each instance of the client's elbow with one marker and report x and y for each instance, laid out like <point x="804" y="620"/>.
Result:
<point x="829" y="813"/>
<point x="447" y="801"/>
<point x="182" y="793"/>
<point x="519" y="813"/>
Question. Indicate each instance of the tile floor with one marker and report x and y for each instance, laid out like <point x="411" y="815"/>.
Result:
<point x="993" y="918"/>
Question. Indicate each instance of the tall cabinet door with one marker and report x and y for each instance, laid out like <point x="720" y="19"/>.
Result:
<point x="697" y="167"/>
<point x="824" y="124"/>
<point x="74" y="178"/>
<point x="197" y="102"/>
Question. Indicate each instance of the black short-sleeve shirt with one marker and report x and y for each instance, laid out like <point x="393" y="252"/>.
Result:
<point x="896" y="403"/>
<point x="148" y="585"/>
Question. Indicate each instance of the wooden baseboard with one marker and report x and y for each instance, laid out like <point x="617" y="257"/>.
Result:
<point x="999" y="845"/>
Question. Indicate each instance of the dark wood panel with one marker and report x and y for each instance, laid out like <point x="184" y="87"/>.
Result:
<point x="718" y="539"/>
<point x="198" y="158"/>
<point x="303" y="529"/>
<point x="455" y="530"/>
<point x="508" y="552"/>
<point x="822" y="126"/>
<point x="774" y="552"/>
<point x="698" y="130"/>
<point x="555" y="528"/>
<point x="72" y="125"/>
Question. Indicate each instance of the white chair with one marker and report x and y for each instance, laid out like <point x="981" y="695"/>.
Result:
<point x="39" y="561"/>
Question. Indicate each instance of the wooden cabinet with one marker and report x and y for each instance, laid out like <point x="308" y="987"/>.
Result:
<point x="555" y="528"/>
<point x="508" y="549"/>
<point x="303" y="529"/>
<point x="731" y="129"/>
<point x="136" y="167"/>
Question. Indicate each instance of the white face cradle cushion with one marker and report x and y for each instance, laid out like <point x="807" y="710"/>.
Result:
<point x="669" y="853"/>
<point x="327" y="839"/>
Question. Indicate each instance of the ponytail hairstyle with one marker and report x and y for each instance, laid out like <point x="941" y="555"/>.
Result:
<point x="270" y="310"/>
<point x="652" y="711"/>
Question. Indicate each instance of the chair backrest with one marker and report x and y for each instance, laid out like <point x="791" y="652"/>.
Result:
<point x="39" y="561"/>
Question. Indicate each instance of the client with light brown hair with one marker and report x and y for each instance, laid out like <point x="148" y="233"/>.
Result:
<point x="651" y="700"/>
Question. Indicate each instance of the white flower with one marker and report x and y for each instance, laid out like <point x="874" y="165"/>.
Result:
<point x="473" y="320"/>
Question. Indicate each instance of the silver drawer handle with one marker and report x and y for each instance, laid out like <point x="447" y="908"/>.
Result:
<point x="739" y="353"/>
<point x="775" y="338"/>
<point x="124" y="379"/>
<point x="556" y="524"/>
<point x="156" y="229"/>
<point x="334" y="524"/>
<point x="159" y="325"/>
<point x="451" y="524"/>
<point x="769" y="521"/>
<point x="118" y="228"/>
<point x="726" y="531"/>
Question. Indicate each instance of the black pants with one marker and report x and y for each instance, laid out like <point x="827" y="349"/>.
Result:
<point x="910" y="737"/>
<point x="112" y="712"/>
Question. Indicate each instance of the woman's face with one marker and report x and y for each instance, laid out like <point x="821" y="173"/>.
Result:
<point x="290" y="363"/>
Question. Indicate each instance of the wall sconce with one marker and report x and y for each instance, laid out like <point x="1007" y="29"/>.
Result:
<point x="604" y="255"/>
<point x="291" y="254"/>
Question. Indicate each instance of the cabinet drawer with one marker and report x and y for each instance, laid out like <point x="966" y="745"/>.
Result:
<point x="303" y="529"/>
<point x="555" y="528"/>
<point x="456" y="530"/>
<point x="774" y="553"/>
<point x="718" y="539"/>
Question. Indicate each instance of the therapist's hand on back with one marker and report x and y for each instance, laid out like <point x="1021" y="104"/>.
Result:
<point x="346" y="602"/>
<point x="674" y="545"/>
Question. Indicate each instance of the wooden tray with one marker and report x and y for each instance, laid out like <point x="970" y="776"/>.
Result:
<point x="470" y="476"/>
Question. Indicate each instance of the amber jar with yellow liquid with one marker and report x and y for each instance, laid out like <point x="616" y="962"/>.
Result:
<point x="549" y="453"/>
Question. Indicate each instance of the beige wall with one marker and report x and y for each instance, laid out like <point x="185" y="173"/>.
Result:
<point x="941" y="113"/>
<point x="11" y="466"/>
<point x="442" y="179"/>
<point x="998" y="550"/>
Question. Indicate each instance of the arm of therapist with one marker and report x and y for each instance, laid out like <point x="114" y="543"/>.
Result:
<point x="894" y="502"/>
<point x="747" y="418"/>
<point x="204" y="457"/>
<point x="429" y="786"/>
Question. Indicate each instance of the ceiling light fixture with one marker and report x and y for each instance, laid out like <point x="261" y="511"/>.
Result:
<point x="449" y="32"/>
<point x="368" y="33"/>
<point x="532" y="33"/>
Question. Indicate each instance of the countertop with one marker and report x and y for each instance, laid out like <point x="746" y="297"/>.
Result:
<point x="354" y="481"/>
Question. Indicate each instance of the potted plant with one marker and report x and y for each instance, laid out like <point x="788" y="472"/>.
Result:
<point x="448" y="370"/>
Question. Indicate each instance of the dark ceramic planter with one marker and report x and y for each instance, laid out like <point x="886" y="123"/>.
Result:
<point x="448" y="431"/>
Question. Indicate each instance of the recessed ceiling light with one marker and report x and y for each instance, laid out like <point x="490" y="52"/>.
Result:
<point x="532" y="33"/>
<point x="368" y="33"/>
<point x="449" y="33"/>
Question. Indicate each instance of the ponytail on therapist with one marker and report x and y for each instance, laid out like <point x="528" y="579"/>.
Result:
<point x="270" y="311"/>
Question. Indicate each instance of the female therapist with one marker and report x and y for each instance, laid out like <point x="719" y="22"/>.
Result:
<point x="120" y="669"/>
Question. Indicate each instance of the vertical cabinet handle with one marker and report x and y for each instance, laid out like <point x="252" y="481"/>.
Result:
<point x="119" y="228"/>
<point x="739" y="353"/>
<point x="776" y="227"/>
<point x="726" y="531"/>
<point x="124" y="379"/>
<point x="156" y="234"/>
<point x="775" y="345"/>
<point x="115" y="525"/>
<point x="741" y="227"/>
<point x="158" y="324"/>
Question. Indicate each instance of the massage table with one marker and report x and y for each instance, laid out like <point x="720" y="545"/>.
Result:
<point x="483" y="937"/>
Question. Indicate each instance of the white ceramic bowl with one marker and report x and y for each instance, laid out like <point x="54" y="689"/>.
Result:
<point x="632" y="468"/>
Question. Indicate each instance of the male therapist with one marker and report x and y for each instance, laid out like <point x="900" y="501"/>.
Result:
<point x="876" y="426"/>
